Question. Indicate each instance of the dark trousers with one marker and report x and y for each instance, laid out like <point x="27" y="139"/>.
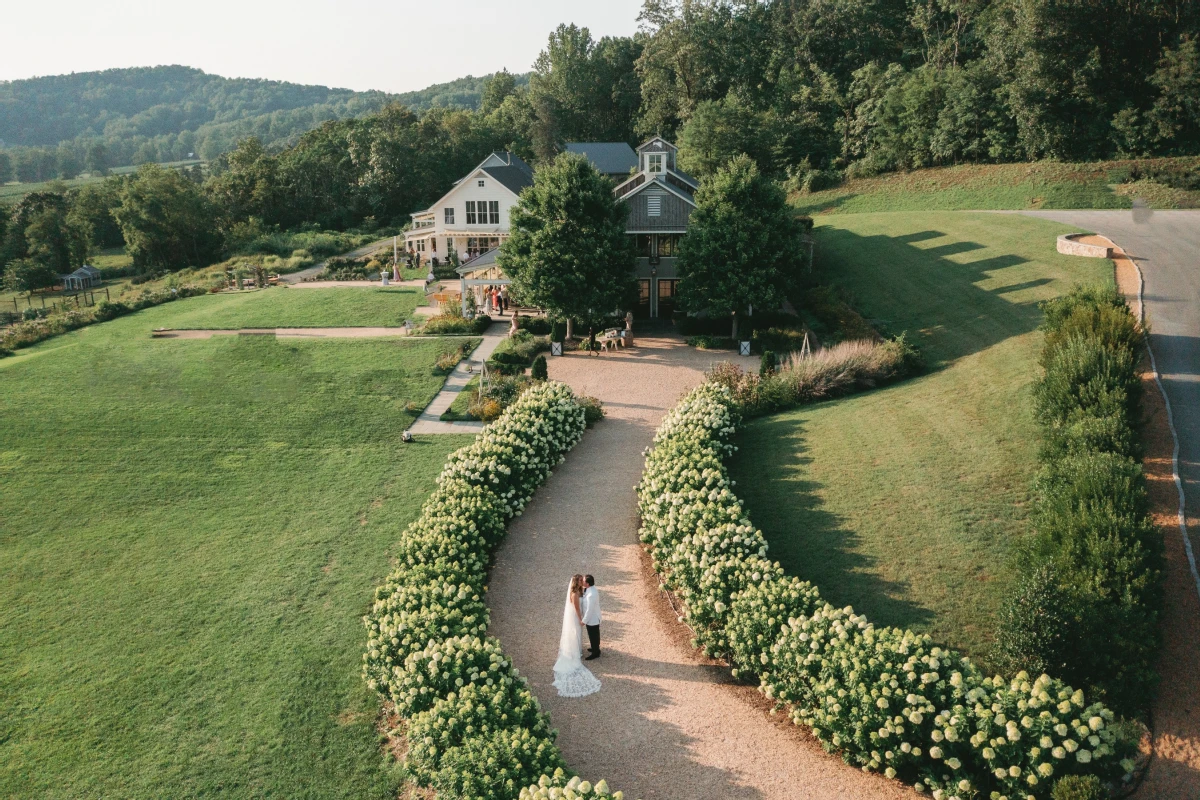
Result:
<point x="594" y="638"/>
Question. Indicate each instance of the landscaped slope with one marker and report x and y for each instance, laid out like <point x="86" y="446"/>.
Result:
<point x="908" y="502"/>
<point x="1160" y="182"/>
<point x="190" y="532"/>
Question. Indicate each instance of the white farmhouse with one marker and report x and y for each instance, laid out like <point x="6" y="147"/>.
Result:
<point x="473" y="215"/>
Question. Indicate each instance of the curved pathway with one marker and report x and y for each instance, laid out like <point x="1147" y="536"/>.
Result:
<point x="668" y="724"/>
<point x="1166" y="246"/>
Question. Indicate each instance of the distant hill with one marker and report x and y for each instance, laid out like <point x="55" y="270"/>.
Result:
<point x="166" y="113"/>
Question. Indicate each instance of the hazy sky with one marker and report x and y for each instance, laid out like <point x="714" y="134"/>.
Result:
<point x="357" y="44"/>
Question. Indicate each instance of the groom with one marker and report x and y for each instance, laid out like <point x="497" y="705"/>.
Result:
<point x="591" y="616"/>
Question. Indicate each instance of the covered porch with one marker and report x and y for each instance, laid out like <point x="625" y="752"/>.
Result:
<point x="479" y="274"/>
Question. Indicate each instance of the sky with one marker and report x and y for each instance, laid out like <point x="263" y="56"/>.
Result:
<point x="394" y="46"/>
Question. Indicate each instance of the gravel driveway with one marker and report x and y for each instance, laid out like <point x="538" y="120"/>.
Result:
<point x="668" y="724"/>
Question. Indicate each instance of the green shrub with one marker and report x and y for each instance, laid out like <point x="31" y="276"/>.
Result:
<point x="1079" y="787"/>
<point x="558" y="332"/>
<point x="706" y="342"/>
<point x="1039" y="627"/>
<point x="516" y="352"/>
<point x="768" y="364"/>
<point x="1059" y="309"/>
<point x="449" y="324"/>
<point x="593" y="409"/>
<point x="1085" y="378"/>
<point x="539" y="372"/>
<point x="781" y="340"/>
<point x="539" y="326"/>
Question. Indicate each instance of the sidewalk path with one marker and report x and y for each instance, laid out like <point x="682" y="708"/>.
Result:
<point x="668" y="724"/>
<point x="430" y="419"/>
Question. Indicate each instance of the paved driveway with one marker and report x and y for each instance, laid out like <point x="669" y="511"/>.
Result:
<point x="1166" y="245"/>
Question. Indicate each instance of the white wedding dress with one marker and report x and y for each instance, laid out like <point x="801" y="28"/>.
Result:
<point x="571" y="677"/>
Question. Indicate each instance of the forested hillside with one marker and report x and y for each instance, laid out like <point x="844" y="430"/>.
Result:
<point x="60" y="125"/>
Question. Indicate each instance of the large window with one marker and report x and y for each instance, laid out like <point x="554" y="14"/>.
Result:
<point x="668" y="244"/>
<point x="644" y="240"/>
<point x="654" y="162"/>
<point x="470" y="212"/>
<point x="449" y="212"/>
<point x="493" y="212"/>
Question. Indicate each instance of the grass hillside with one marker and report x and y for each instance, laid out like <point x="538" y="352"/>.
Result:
<point x="190" y="533"/>
<point x="1160" y="182"/>
<point x="908" y="502"/>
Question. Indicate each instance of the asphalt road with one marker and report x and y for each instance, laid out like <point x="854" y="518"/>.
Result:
<point x="1166" y="245"/>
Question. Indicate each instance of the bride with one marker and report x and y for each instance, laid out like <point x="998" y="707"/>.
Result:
<point x="571" y="677"/>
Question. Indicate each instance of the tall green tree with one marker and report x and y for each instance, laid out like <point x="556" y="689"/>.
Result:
<point x="568" y="251"/>
<point x="28" y="275"/>
<point x="743" y="247"/>
<point x="166" y="221"/>
<point x="56" y="239"/>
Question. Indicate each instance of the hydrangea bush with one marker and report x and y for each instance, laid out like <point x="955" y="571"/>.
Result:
<point x="474" y="729"/>
<point x="888" y="700"/>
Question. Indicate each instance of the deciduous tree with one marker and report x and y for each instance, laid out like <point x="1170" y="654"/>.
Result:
<point x="568" y="251"/>
<point x="743" y="245"/>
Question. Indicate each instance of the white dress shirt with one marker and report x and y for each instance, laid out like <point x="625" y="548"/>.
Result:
<point x="591" y="606"/>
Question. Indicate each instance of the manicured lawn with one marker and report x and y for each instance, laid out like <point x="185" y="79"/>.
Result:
<point x="190" y="532"/>
<point x="281" y="307"/>
<point x="909" y="502"/>
<point x="1045" y="184"/>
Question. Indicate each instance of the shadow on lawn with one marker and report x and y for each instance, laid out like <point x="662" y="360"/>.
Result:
<point x="809" y="541"/>
<point x="920" y="289"/>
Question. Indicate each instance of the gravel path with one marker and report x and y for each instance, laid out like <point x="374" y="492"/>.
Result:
<point x="667" y="725"/>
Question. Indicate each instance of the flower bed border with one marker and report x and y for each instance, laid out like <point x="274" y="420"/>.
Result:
<point x="474" y="729"/>
<point x="887" y="699"/>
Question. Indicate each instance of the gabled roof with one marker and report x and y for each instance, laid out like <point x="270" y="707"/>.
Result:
<point x="658" y="144"/>
<point x="658" y="183"/>
<point x="609" y="158"/>
<point x="511" y="177"/>
<point x="86" y="271"/>
<point x="505" y="167"/>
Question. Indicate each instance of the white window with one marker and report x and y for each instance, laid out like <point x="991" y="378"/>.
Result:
<point x="481" y="184"/>
<point x="654" y="205"/>
<point x="493" y="212"/>
<point x="654" y="162"/>
<point x="420" y="245"/>
<point x="470" y="212"/>
<point x="449" y="212"/>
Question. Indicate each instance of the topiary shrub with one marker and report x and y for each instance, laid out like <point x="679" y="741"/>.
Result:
<point x="539" y="372"/>
<point x="767" y="364"/>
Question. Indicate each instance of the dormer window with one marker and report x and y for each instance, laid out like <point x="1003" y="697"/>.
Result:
<point x="654" y="163"/>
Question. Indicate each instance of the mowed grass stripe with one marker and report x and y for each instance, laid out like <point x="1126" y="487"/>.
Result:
<point x="190" y="532"/>
<point x="909" y="502"/>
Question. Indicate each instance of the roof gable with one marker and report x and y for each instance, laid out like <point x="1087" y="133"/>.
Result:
<point x="657" y="145"/>
<point x="663" y="185"/>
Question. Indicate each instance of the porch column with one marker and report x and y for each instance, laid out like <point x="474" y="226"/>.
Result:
<point x="463" y="294"/>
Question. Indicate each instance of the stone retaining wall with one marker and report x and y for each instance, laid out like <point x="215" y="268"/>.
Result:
<point x="1069" y="244"/>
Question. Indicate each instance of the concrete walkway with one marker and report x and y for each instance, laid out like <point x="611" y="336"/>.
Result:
<point x="668" y="724"/>
<point x="430" y="419"/>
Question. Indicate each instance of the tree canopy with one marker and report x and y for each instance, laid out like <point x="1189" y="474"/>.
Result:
<point x="567" y="251"/>
<point x="743" y="247"/>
